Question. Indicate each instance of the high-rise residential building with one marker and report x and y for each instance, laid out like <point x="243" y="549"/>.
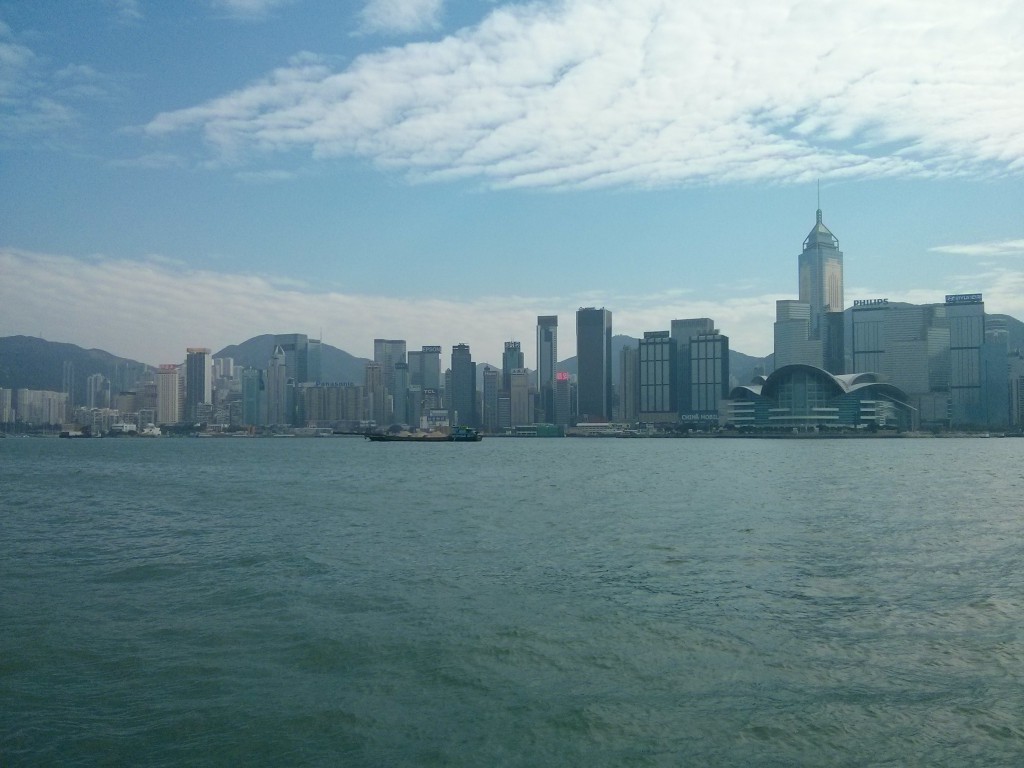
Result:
<point x="629" y="385"/>
<point x="68" y="383"/>
<point x="594" y="364"/>
<point x="708" y="364"/>
<point x="657" y="378"/>
<point x="168" y="397"/>
<point x="97" y="391"/>
<point x="490" y="401"/>
<point x="6" y="406"/>
<point x="462" y="395"/>
<point x="511" y="359"/>
<point x="547" y="360"/>
<point x="198" y="381"/>
<point x="821" y="276"/>
<point x="520" y="408"/>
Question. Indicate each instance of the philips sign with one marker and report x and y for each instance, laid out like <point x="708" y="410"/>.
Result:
<point x="963" y="298"/>
<point x="869" y="302"/>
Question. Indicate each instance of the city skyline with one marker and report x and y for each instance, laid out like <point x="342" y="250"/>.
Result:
<point x="458" y="169"/>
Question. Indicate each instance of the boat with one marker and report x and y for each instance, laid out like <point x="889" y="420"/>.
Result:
<point x="458" y="435"/>
<point x="465" y="435"/>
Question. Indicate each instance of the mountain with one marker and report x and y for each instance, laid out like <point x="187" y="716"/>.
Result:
<point x="28" y="362"/>
<point x="336" y="365"/>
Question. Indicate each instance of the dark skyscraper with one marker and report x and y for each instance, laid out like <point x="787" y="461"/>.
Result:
<point x="462" y="394"/>
<point x="594" y="364"/>
<point x="547" y="359"/>
<point x="511" y="359"/>
<point x="198" y="380"/>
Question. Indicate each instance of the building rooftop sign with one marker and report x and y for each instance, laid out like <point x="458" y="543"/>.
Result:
<point x="871" y="302"/>
<point x="963" y="298"/>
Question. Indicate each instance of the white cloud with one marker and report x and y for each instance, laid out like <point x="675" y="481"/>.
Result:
<point x="587" y="93"/>
<point x="401" y="16"/>
<point x="989" y="249"/>
<point x="152" y="309"/>
<point x="249" y="8"/>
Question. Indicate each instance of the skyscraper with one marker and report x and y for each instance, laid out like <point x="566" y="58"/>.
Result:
<point x="547" y="359"/>
<point x="168" y="397"/>
<point x="657" y="355"/>
<point x="629" y="385"/>
<point x="198" y="380"/>
<point x="594" y="364"/>
<point x="462" y="397"/>
<point x="708" y="362"/>
<point x="279" y="411"/>
<point x="490" y="415"/>
<point x="682" y="332"/>
<point x="520" y="411"/>
<point x="511" y="359"/>
<point x="821" y="275"/>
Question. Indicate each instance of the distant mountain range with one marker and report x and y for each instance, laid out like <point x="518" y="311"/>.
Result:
<point x="32" y="363"/>
<point x="336" y="365"/>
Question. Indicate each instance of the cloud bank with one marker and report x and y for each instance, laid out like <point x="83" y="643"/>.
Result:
<point x="588" y="93"/>
<point x="152" y="309"/>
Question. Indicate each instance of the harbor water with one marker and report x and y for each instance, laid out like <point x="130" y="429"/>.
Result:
<point x="559" y="602"/>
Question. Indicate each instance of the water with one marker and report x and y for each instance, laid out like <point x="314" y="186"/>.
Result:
<point x="512" y="602"/>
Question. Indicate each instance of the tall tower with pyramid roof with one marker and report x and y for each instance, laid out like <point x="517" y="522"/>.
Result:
<point x="821" y="275"/>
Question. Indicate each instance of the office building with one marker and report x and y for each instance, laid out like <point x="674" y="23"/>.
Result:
<point x="520" y="406"/>
<point x="279" y="389"/>
<point x="564" y="399"/>
<point x="795" y="343"/>
<point x="511" y="359"/>
<point x="375" y="393"/>
<point x="389" y="352"/>
<point x="821" y="276"/>
<point x="547" y="361"/>
<point x="682" y="332"/>
<point x="657" y="378"/>
<point x="966" y="316"/>
<point x="629" y="385"/>
<point x="198" y="381"/>
<point x="168" y="397"/>
<point x="253" y="404"/>
<point x="594" y="364"/>
<point x="708" y="366"/>
<point x="462" y="394"/>
<point x="489" y="420"/>
<point x="301" y="357"/>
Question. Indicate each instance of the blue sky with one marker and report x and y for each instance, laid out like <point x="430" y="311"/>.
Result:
<point x="199" y="172"/>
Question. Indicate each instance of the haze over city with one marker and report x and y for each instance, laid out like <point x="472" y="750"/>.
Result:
<point x="447" y="171"/>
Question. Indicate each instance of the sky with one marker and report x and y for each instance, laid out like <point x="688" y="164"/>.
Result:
<point x="198" y="172"/>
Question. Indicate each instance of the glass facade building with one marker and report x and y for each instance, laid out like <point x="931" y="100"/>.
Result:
<point x="657" y="378"/>
<point x="594" y="364"/>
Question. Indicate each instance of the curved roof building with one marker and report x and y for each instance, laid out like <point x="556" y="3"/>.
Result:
<point x="805" y="397"/>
